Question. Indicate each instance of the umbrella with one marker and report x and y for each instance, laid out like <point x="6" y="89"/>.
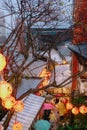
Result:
<point x="47" y="106"/>
<point x="42" y="125"/>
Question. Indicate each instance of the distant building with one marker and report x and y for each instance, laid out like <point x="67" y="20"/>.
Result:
<point x="61" y="14"/>
<point x="50" y="27"/>
<point x="58" y="30"/>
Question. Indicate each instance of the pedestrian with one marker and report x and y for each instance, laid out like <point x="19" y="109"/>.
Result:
<point x="46" y="114"/>
<point x="54" y="119"/>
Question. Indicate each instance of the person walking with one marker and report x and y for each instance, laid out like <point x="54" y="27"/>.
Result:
<point x="54" y="119"/>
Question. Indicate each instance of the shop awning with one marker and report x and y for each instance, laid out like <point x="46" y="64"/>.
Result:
<point x="81" y="52"/>
<point x="33" y="104"/>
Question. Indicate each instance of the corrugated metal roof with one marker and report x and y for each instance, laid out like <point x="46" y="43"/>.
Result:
<point x="80" y="49"/>
<point x="32" y="104"/>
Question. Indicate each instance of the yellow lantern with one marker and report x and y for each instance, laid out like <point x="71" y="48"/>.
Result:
<point x="17" y="126"/>
<point x="2" y="62"/>
<point x="64" y="62"/>
<point x="75" y="110"/>
<point x="8" y="102"/>
<point x="83" y="109"/>
<point x="5" y="89"/>
<point x="69" y="106"/>
<point x="19" y="106"/>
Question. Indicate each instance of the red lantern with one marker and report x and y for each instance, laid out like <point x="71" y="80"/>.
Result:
<point x="69" y="106"/>
<point x="5" y="89"/>
<point x="38" y="93"/>
<point x="8" y="102"/>
<point x="17" y="126"/>
<point x="83" y="109"/>
<point x="19" y="106"/>
<point x="75" y="110"/>
<point x="2" y="62"/>
<point x="64" y="100"/>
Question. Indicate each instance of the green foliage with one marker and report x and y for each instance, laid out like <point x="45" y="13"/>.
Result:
<point x="80" y="120"/>
<point x="79" y="100"/>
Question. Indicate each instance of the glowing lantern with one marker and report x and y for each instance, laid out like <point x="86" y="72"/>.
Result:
<point x="8" y="102"/>
<point x="38" y="94"/>
<point x="5" y="89"/>
<point x="64" y="62"/>
<point x="17" y="126"/>
<point x="83" y="109"/>
<point x="64" y="100"/>
<point x="69" y="106"/>
<point x="19" y="106"/>
<point x="47" y="75"/>
<point x="2" y="62"/>
<point x="45" y="82"/>
<point x="43" y="73"/>
<point x="75" y="110"/>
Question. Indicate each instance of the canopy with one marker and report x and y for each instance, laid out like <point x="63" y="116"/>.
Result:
<point x="81" y="52"/>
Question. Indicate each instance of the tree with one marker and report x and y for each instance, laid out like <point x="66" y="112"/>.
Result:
<point x="25" y="16"/>
<point x="29" y="14"/>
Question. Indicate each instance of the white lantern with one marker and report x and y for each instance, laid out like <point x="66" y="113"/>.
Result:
<point x="5" y="89"/>
<point x="17" y="126"/>
<point x="8" y="102"/>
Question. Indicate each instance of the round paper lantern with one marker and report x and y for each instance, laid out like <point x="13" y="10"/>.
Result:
<point x="83" y="109"/>
<point x="5" y="89"/>
<point x="19" y="106"/>
<point x="69" y="106"/>
<point x="8" y="102"/>
<point x="2" y="62"/>
<point x="75" y="110"/>
<point x="17" y="126"/>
